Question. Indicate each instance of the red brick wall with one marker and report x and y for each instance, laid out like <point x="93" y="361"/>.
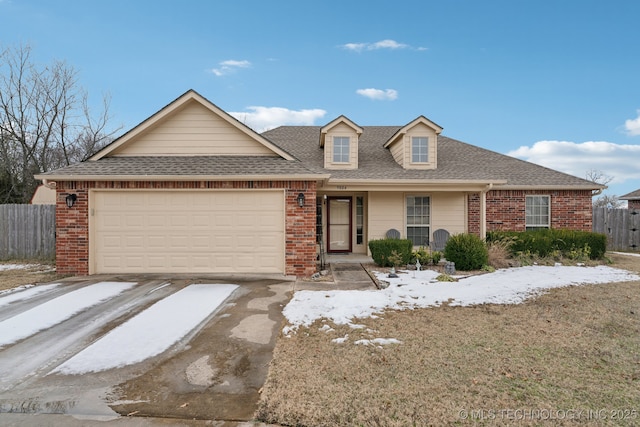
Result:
<point x="72" y="225"/>
<point x="634" y="204"/>
<point x="570" y="209"/>
<point x="72" y="230"/>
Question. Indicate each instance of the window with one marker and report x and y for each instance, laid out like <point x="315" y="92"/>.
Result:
<point x="537" y="212"/>
<point x="341" y="149"/>
<point x="419" y="153"/>
<point x="418" y="220"/>
<point x="359" y="220"/>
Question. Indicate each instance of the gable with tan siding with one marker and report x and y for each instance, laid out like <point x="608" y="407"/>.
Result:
<point x="190" y="131"/>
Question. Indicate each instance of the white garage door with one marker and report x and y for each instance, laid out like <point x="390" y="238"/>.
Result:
<point x="187" y="231"/>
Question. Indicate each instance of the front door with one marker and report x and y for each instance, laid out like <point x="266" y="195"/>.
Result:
<point x="339" y="224"/>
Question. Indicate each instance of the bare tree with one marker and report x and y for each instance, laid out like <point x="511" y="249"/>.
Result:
<point x="45" y="122"/>
<point x="606" y="200"/>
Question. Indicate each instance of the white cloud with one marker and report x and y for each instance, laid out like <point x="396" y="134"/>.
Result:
<point x="379" y="94"/>
<point x="264" y="118"/>
<point x="616" y="160"/>
<point x="229" y="66"/>
<point x="632" y="127"/>
<point x="382" y="44"/>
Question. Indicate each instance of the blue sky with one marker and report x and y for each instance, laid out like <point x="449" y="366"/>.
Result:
<point x="556" y="82"/>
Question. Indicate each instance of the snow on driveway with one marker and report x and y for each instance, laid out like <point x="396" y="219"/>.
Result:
<point x="57" y="310"/>
<point x="508" y="286"/>
<point x="24" y="292"/>
<point x="152" y="331"/>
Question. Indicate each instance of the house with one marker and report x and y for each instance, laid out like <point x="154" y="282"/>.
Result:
<point x="633" y="199"/>
<point x="43" y="196"/>
<point x="193" y="190"/>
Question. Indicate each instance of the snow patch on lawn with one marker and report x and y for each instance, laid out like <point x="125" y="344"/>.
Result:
<point x="57" y="310"/>
<point x="420" y="289"/>
<point x="7" y="267"/>
<point x="379" y="341"/>
<point x="150" y="332"/>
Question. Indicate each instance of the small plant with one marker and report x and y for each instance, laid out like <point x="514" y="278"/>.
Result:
<point x="488" y="268"/>
<point x="395" y="259"/>
<point x="445" y="278"/>
<point x="436" y="257"/>
<point x="422" y="255"/>
<point x="467" y="251"/>
<point x="580" y="254"/>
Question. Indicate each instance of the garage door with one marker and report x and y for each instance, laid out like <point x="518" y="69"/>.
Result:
<point x="187" y="231"/>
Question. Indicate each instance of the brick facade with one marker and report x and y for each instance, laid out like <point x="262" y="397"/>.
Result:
<point x="72" y="225"/>
<point x="570" y="209"/>
<point x="633" y="204"/>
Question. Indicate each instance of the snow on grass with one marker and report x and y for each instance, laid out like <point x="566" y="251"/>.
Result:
<point x="6" y="267"/>
<point x="150" y="332"/>
<point x="24" y="292"/>
<point x="57" y="310"/>
<point x="420" y="289"/>
<point x="627" y="253"/>
<point x="378" y="341"/>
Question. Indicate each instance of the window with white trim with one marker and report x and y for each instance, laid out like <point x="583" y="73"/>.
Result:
<point x="341" y="149"/>
<point x="537" y="212"/>
<point x="418" y="219"/>
<point x="419" y="149"/>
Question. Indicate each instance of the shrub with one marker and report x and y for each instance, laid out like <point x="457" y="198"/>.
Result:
<point x="382" y="249"/>
<point x="572" y="244"/>
<point x="467" y="251"/>
<point x="425" y="256"/>
<point x="421" y="255"/>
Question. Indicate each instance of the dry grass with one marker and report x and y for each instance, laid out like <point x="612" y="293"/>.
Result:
<point x="573" y="349"/>
<point x="39" y="273"/>
<point x="499" y="253"/>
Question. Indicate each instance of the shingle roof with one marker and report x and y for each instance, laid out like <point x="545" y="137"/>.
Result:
<point x="199" y="166"/>
<point x="634" y="195"/>
<point x="456" y="160"/>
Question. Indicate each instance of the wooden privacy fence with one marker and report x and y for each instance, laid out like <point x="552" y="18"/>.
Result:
<point x="27" y="231"/>
<point x="622" y="227"/>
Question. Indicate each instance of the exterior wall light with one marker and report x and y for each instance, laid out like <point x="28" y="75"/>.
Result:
<point x="71" y="200"/>
<point x="300" y="200"/>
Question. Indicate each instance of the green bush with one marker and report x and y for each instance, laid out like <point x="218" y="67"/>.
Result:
<point x="467" y="251"/>
<point x="382" y="249"/>
<point x="425" y="256"/>
<point x="572" y="244"/>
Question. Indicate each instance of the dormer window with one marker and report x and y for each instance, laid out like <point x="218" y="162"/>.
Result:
<point x="341" y="149"/>
<point x="419" y="149"/>
<point x="415" y="146"/>
<point x="339" y="139"/>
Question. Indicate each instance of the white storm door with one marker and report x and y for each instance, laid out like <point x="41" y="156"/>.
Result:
<point x="339" y="224"/>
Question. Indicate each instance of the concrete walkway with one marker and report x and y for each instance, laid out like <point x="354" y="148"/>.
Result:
<point x="347" y="272"/>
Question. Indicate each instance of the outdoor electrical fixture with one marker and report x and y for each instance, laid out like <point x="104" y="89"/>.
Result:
<point x="71" y="200"/>
<point x="300" y="200"/>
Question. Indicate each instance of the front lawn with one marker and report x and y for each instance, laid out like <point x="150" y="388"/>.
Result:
<point x="570" y="356"/>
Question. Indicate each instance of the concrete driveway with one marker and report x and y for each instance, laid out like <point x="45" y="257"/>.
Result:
<point x="214" y="372"/>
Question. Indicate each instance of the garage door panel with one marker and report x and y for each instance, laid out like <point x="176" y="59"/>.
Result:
<point x="188" y="231"/>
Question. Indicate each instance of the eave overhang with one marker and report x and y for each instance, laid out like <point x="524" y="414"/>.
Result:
<point x="182" y="178"/>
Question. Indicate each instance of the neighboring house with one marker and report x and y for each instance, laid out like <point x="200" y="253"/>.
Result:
<point x="633" y="199"/>
<point x="193" y="190"/>
<point x="44" y="196"/>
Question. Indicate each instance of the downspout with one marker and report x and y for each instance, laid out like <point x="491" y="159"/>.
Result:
<point x="483" y="210"/>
